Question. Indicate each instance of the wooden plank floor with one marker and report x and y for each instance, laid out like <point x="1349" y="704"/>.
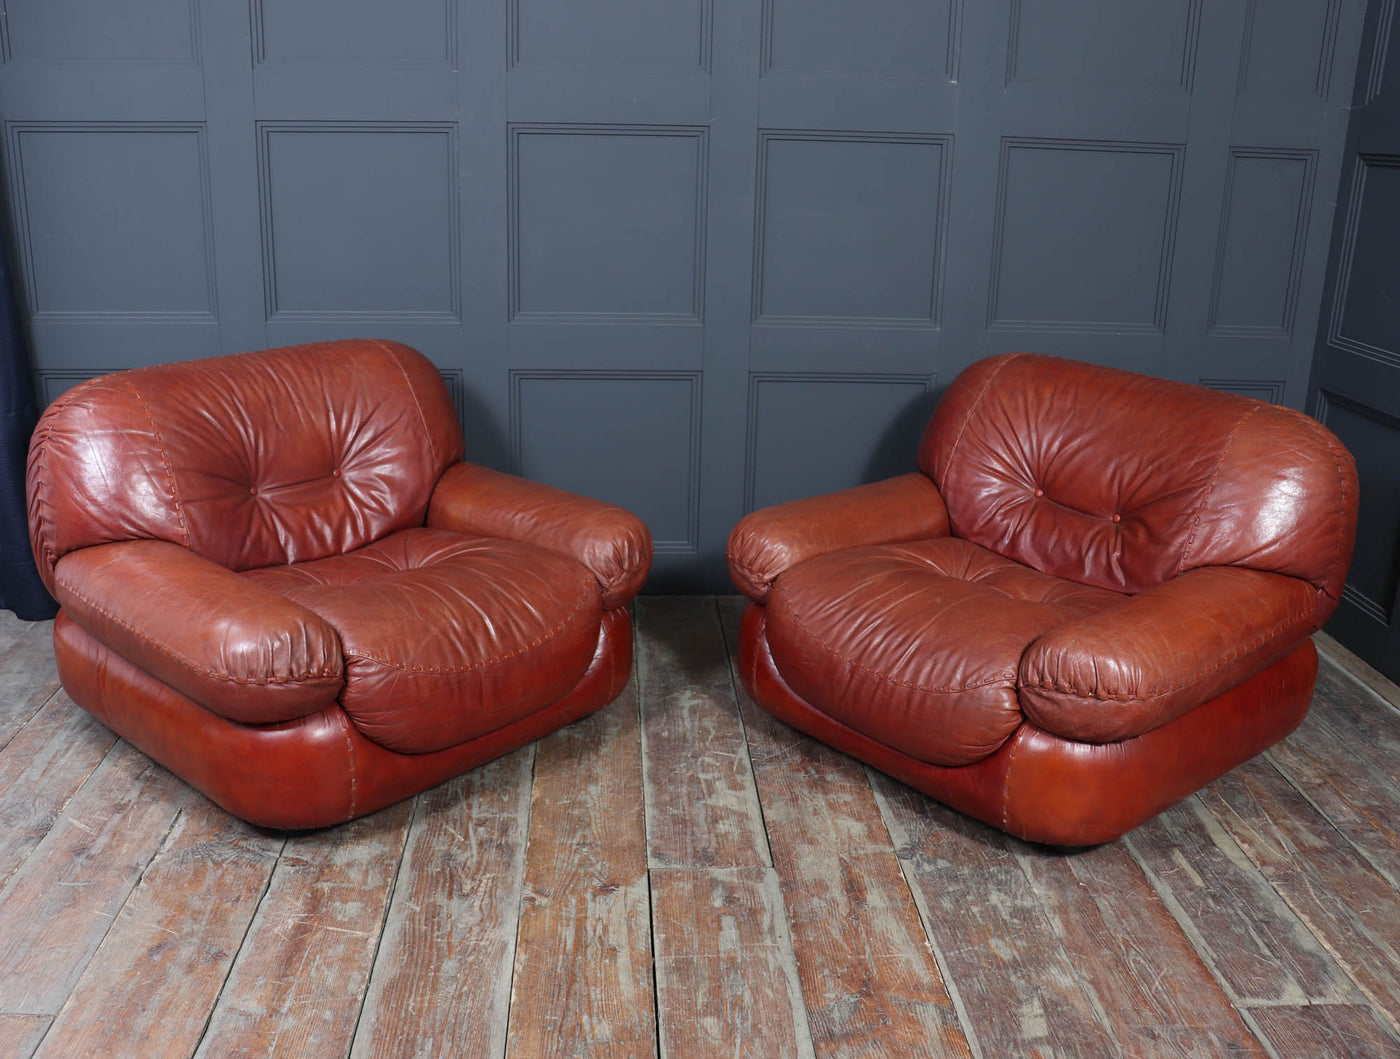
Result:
<point x="680" y="875"/>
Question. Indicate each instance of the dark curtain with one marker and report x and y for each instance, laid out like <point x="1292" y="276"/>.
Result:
<point x="20" y="588"/>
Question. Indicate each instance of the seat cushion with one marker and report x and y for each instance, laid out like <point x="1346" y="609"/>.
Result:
<point x="917" y="645"/>
<point x="447" y="636"/>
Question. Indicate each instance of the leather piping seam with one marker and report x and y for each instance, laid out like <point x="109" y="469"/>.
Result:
<point x="413" y="392"/>
<point x="226" y="678"/>
<point x="1210" y="486"/>
<point x="405" y="667"/>
<point x="967" y="418"/>
<point x="1102" y="696"/>
<point x="1008" y="681"/>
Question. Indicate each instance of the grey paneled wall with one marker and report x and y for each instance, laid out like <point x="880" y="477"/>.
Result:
<point x="689" y="255"/>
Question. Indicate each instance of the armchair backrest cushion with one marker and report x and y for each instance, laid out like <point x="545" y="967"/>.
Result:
<point x="252" y="460"/>
<point x="1122" y="481"/>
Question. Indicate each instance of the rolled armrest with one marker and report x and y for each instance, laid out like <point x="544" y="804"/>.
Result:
<point x="610" y="541"/>
<point x="768" y="541"/>
<point x="1137" y="665"/>
<point x="229" y="644"/>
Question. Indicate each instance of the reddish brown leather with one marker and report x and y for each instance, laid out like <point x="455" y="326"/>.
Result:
<point x="918" y="644"/>
<point x="1124" y="481"/>
<point x="241" y="539"/>
<point x="255" y="460"/>
<point x="610" y="541"/>
<point x="313" y="771"/>
<point x="1043" y="788"/>
<point x="232" y="646"/>
<point x="1126" y="670"/>
<point x="447" y="637"/>
<point x="768" y="541"/>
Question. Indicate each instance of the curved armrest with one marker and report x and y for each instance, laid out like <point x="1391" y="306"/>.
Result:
<point x="611" y="541"/>
<point x="229" y="644"/>
<point x="1137" y="665"/>
<point x="768" y="541"/>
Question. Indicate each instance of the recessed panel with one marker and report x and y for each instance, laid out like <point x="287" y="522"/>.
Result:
<point x="881" y="36"/>
<point x="1384" y="68"/>
<point x="359" y="219"/>
<point x="1374" y="440"/>
<point x="113" y="30"/>
<point x="629" y="439"/>
<point x="629" y="33"/>
<point x="1084" y="235"/>
<point x="1270" y="390"/>
<point x="406" y="31"/>
<point x="54" y="383"/>
<point x="1368" y="297"/>
<point x="607" y="223"/>
<point x="816" y="434"/>
<point x="1262" y="232"/>
<point x="849" y="228"/>
<point x="1128" y="44"/>
<point x="1288" y="46"/>
<point x="115" y="218"/>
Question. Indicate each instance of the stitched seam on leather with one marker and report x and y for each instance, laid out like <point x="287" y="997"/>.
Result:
<point x="351" y="776"/>
<point x="164" y="459"/>
<point x="962" y="427"/>
<point x="1009" y="681"/>
<point x="46" y="529"/>
<point x="1102" y="696"/>
<point x="227" y="678"/>
<point x="413" y="392"/>
<point x="1210" y="486"/>
<point x="749" y="572"/>
<point x="486" y="663"/>
<point x="1006" y="785"/>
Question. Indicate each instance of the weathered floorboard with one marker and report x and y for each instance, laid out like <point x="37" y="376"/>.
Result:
<point x="401" y="934"/>
<point x="1343" y="758"/>
<point x="21" y="1034"/>
<point x="62" y="900"/>
<point x="583" y="970"/>
<point x="1157" y="995"/>
<point x="441" y="981"/>
<point x="1338" y="1031"/>
<point x="725" y="975"/>
<point x="28" y="677"/>
<point x="1019" y="992"/>
<point x="40" y="770"/>
<point x="1350" y="907"/>
<point x="11" y="629"/>
<point x="298" y="981"/>
<point x="149" y="988"/>
<point x="869" y="979"/>
<point x="702" y="808"/>
<point x="1254" y="941"/>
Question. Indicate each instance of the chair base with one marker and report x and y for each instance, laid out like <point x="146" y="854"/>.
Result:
<point x="1044" y="788"/>
<point x="313" y="771"/>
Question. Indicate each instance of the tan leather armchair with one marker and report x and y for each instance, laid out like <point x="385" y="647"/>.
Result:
<point x="1093" y="598"/>
<point x="279" y="579"/>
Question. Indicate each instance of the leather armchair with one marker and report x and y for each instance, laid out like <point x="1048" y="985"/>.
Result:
<point x="279" y="579"/>
<point x="1094" y="597"/>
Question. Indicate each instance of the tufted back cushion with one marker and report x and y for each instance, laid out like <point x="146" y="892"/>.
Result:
<point x="253" y="460"/>
<point x="1122" y="481"/>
